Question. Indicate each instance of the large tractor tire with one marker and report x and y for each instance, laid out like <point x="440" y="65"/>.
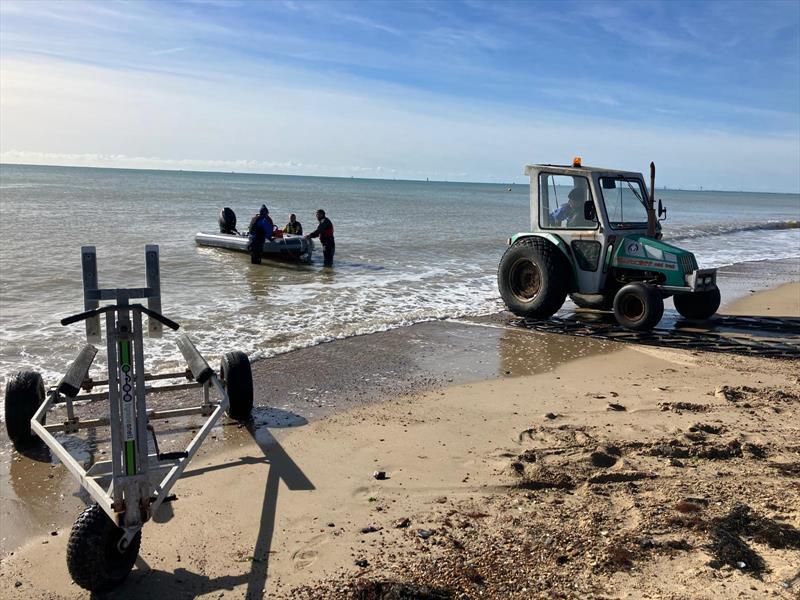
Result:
<point x="638" y="306"/>
<point x="94" y="559"/>
<point x="24" y="395"/>
<point x="237" y="377"/>
<point x="697" y="305"/>
<point x="534" y="278"/>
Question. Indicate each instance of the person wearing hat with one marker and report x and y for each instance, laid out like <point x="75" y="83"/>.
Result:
<point x="572" y="211"/>
<point x="260" y="230"/>
<point x="293" y="226"/>
<point x="325" y="234"/>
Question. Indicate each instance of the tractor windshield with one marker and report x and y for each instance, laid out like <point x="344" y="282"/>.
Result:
<point x="625" y="202"/>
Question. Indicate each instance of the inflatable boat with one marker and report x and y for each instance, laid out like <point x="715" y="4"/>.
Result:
<point x="287" y="247"/>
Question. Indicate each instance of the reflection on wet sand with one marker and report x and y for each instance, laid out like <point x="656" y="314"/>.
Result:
<point x="529" y="352"/>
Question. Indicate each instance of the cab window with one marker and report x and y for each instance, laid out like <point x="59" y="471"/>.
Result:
<point x="561" y="202"/>
<point x="625" y="202"/>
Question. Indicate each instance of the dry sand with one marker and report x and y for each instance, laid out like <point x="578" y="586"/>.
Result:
<point x="526" y="485"/>
<point x="784" y="300"/>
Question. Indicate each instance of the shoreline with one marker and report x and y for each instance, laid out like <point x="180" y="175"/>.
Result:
<point x="354" y="379"/>
<point x="362" y="370"/>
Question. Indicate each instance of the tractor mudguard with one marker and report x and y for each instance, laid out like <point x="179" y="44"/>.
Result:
<point x="558" y="243"/>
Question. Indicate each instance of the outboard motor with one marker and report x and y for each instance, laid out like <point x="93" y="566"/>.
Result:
<point x="227" y="221"/>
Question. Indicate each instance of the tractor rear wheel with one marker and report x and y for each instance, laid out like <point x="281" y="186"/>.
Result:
<point x="533" y="278"/>
<point x="638" y="306"/>
<point x="697" y="305"/>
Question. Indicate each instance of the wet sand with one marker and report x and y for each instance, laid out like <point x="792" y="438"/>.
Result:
<point x="446" y="409"/>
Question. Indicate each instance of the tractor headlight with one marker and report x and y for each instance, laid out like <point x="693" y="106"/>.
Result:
<point x="708" y="280"/>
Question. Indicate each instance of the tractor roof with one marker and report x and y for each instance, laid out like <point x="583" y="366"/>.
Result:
<point x="582" y="170"/>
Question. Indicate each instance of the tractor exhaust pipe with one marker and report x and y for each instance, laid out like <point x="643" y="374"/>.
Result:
<point x="651" y="210"/>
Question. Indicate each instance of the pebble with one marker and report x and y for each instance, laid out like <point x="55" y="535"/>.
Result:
<point x="550" y="416"/>
<point x="370" y="529"/>
<point x="17" y="583"/>
<point x="615" y="406"/>
<point x="362" y="562"/>
<point x="424" y="533"/>
<point x="402" y="523"/>
<point x="379" y="475"/>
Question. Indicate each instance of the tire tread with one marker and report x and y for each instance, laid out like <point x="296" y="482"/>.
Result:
<point x="24" y="394"/>
<point x="556" y="285"/>
<point x="238" y="377"/>
<point x="86" y="548"/>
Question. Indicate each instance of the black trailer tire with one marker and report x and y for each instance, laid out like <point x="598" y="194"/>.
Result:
<point x="93" y="558"/>
<point x="638" y="307"/>
<point x="533" y="278"/>
<point x="697" y="305"/>
<point x="237" y="377"/>
<point x="24" y="395"/>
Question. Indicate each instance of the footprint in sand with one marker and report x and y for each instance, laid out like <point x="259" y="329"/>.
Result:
<point x="307" y="555"/>
<point x="304" y="558"/>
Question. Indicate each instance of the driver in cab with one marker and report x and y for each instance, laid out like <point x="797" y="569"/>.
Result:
<point x="571" y="212"/>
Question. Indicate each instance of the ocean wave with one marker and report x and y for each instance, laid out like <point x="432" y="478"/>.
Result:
<point x="695" y="231"/>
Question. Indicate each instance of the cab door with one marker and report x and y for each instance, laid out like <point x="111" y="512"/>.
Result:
<point x="562" y="199"/>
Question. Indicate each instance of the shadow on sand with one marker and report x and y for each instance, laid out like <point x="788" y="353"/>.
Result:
<point x="148" y="582"/>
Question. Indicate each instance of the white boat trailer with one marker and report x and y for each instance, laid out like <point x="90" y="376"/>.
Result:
<point x="128" y="488"/>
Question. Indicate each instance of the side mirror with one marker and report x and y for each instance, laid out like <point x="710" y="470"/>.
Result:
<point x="662" y="211"/>
<point x="588" y="211"/>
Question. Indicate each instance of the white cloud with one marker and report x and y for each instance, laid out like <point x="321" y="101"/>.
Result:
<point x="62" y="113"/>
<point x="167" y="51"/>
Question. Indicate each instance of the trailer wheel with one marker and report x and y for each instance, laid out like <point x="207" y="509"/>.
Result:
<point x="24" y="395"/>
<point x="94" y="559"/>
<point x="638" y="306"/>
<point x="237" y="377"/>
<point x="533" y="278"/>
<point x="697" y="305"/>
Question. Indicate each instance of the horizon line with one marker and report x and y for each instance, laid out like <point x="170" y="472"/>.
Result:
<point x="700" y="189"/>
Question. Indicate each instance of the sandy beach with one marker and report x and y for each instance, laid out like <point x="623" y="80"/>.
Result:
<point x="517" y="464"/>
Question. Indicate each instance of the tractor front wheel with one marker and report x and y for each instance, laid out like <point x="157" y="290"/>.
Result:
<point x="533" y="278"/>
<point x="638" y="306"/>
<point x="697" y="305"/>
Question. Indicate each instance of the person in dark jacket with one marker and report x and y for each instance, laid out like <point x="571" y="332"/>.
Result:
<point x="293" y="226"/>
<point x="325" y="234"/>
<point x="261" y="228"/>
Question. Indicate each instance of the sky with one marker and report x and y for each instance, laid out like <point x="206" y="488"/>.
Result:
<point x="467" y="91"/>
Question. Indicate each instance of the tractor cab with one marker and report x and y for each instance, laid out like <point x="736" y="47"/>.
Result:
<point x="598" y="232"/>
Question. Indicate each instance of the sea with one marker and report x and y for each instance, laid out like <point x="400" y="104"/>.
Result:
<point x="406" y="252"/>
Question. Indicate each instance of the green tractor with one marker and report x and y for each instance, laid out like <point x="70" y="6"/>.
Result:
<point x="595" y="237"/>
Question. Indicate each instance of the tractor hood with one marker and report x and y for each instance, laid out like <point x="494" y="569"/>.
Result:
<point x="642" y="253"/>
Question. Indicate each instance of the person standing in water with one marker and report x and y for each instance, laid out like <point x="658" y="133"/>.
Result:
<point x="261" y="228"/>
<point x="324" y="232"/>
